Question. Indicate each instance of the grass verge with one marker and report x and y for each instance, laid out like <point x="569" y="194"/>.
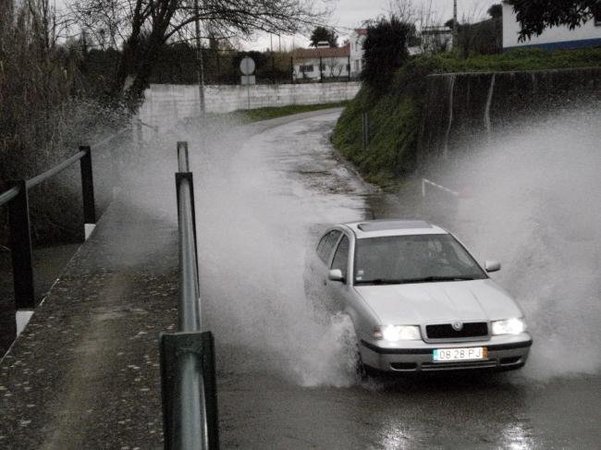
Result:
<point x="255" y="115"/>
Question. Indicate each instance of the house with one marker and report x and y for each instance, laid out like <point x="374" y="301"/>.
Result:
<point x="356" y="41"/>
<point x="587" y="35"/>
<point x="436" y="39"/>
<point x="321" y="63"/>
<point x="432" y="39"/>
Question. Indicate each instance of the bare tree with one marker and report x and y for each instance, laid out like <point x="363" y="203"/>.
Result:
<point x="334" y="67"/>
<point x="424" y="18"/>
<point x="142" y="27"/>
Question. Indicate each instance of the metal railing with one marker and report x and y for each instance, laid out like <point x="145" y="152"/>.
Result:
<point x="17" y="199"/>
<point x="187" y="356"/>
<point x="426" y="182"/>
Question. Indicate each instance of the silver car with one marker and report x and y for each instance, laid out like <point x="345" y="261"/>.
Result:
<point x="418" y="300"/>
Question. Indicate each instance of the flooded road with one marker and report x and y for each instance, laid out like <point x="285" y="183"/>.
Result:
<point x="286" y="378"/>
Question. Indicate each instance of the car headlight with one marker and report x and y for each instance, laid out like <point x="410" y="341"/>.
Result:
<point x="394" y="333"/>
<point x="509" y="326"/>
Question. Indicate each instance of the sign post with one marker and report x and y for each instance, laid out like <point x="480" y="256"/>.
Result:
<point x="247" y="67"/>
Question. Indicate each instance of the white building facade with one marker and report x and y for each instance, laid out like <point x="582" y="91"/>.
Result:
<point x="561" y="37"/>
<point x="356" y="55"/>
<point x="322" y="63"/>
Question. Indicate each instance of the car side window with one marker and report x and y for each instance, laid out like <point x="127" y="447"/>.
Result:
<point x="341" y="257"/>
<point x="326" y="245"/>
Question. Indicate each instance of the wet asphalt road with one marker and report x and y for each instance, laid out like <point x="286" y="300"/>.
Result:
<point x="285" y="377"/>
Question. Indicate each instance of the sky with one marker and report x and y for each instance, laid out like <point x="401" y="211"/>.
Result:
<point x="349" y="14"/>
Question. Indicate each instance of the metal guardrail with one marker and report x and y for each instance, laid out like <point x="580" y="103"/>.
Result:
<point x="426" y="182"/>
<point x="17" y="199"/>
<point x="187" y="357"/>
<point x="20" y="220"/>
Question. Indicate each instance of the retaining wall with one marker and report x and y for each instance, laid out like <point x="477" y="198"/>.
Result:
<point x="181" y="101"/>
<point x="462" y="108"/>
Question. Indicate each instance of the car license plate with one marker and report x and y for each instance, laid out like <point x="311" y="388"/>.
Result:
<point x="459" y="354"/>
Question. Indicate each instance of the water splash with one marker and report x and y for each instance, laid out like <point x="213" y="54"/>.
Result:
<point x="333" y="360"/>
<point x="536" y="206"/>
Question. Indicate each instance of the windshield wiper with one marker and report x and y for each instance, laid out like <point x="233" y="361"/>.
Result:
<point x="437" y="278"/>
<point x="380" y="281"/>
<point x="414" y="280"/>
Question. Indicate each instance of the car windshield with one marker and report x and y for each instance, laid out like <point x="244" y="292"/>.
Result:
<point x="413" y="259"/>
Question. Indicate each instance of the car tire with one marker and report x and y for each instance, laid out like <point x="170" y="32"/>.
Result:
<point x="364" y="372"/>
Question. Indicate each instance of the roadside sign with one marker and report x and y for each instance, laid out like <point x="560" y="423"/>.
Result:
<point x="247" y="65"/>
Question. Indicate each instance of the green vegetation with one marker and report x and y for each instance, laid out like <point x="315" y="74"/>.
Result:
<point x="518" y="59"/>
<point x="395" y="116"/>
<point x="385" y="51"/>
<point x="254" y="115"/>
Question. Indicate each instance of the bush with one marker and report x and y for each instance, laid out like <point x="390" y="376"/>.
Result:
<point x="385" y="50"/>
<point x="44" y="116"/>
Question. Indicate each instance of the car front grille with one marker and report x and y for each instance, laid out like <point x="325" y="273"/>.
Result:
<point x="446" y="331"/>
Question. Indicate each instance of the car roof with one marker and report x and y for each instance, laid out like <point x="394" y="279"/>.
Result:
<point x="393" y="227"/>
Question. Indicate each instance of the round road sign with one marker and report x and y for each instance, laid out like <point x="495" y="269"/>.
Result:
<point x="247" y="66"/>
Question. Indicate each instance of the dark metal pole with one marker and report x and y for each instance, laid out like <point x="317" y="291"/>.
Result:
<point x="365" y="123"/>
<point x="21" y="250"/>
<point x="87" y="186"/>
<point x="348" y="67"/>
<point x="320" y="70"/>
<point x="454" y="24"/>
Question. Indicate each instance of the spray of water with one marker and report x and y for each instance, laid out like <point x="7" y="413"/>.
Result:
<point x="259" y="198"/>
<point x="535" y="204"/>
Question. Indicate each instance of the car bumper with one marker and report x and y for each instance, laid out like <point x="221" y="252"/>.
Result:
<point x="503" y="353"/>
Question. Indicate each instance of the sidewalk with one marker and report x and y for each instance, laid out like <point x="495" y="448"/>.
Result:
<point x="85" y="372"/>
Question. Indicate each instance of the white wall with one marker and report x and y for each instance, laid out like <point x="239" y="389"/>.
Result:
<point x="312" y="75"/>
<point x="339" y="63"/>
<point x="555" y="37"/>
<point x="356" y="54"/>
<point x="168" y="103"/>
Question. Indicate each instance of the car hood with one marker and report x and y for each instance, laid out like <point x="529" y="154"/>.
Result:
<point x="420" y="303"/>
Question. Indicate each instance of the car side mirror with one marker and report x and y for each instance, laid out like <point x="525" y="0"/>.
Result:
<point x="492" y="266"/>
<point x="336" y="275"/>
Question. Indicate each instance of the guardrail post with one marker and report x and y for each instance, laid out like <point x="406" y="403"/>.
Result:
<point x="87" y="187"/>
<point x="21" y="249"/>
<point x="183" y="354"/>
<point x="210" y="384"/>
<point x="188" y="381"/>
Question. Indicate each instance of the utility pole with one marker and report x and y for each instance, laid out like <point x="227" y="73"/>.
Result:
<point x="199" y="61"/>
<point x="454" y="24"/>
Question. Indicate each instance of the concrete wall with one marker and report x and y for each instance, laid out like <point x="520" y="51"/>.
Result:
<point x="462" y="108"/>
<point x="586" y="35"/>
<point x="175" y="102"/>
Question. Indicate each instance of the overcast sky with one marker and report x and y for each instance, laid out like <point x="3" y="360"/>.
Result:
<point x="349" y="14"/>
